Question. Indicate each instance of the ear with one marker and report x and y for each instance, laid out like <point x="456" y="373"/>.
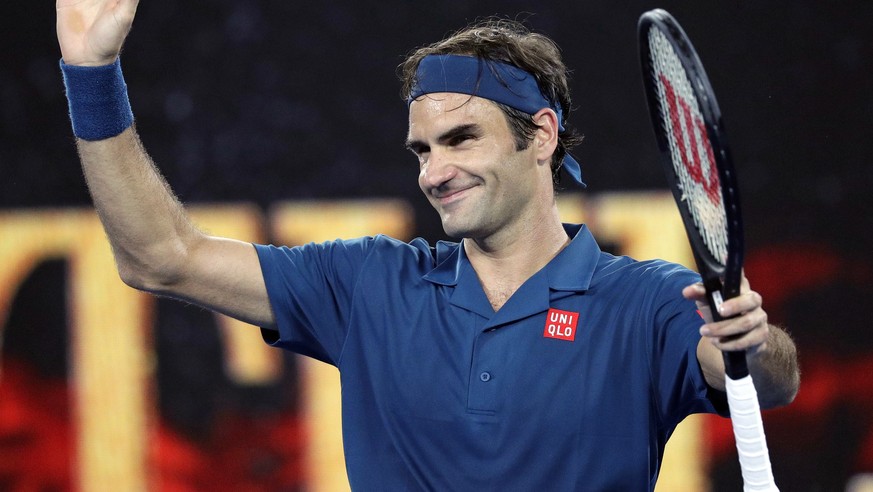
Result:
<point x="546" y="137"/>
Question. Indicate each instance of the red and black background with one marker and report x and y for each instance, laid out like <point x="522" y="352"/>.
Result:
<point x="265" y="100"/>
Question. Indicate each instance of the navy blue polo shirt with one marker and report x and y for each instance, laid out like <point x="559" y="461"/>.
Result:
<point x="574" y="384"/>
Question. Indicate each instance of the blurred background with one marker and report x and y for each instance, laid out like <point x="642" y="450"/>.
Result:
<point x="281" y="122"/>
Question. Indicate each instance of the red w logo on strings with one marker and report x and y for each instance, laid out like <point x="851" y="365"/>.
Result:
<point x="692" y="123"/>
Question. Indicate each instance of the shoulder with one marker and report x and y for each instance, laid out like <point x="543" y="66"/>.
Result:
<point x="382" y="248"/>
<point x="379" y="249"/>
<point x="658" y="280"/>
<point x="624" y="267"/>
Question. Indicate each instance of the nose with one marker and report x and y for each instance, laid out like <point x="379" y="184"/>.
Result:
<point x="436" y="170"/>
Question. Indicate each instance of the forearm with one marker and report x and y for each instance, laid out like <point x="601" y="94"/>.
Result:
<point x="770" y="352"/>
<point x="156" y="246"/>
<point x="774" y="369"/>
<point x="145" y="223"/>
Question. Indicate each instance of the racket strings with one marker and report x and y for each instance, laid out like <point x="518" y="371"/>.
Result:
<point x="691" y="151"/>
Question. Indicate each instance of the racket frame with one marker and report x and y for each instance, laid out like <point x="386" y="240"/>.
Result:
<point x="721" y="280"/>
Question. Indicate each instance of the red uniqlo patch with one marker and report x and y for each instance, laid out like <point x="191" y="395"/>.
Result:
<point x="561" y="325"/>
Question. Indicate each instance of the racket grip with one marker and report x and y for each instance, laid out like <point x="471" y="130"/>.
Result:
<point x="735" y="365"/>
<point x="749" y="434"/>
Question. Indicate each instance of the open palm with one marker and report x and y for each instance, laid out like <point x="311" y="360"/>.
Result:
<point x="91" y="32"/>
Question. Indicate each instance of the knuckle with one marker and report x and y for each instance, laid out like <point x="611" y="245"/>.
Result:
<point x="761" y="319"/>
<point x="757" y="298"/>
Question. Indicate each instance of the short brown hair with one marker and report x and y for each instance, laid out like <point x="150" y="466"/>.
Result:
<point x="510" y="42"/>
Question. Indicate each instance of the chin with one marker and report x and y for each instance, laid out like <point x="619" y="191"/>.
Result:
<point x="467" y="221"/>
<point x="454" y="230"/>
<point x="457" y="230"/>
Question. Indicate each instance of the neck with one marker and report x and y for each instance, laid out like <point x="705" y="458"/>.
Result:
<point x="505" y="262"/>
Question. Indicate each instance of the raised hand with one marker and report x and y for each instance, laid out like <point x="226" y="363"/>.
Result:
<point x="91" y="32"/>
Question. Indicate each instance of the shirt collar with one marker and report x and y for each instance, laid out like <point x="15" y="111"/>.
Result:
<point x="571" y="270"/>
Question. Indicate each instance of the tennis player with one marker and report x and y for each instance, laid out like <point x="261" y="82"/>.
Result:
<point x="519" y="358"/>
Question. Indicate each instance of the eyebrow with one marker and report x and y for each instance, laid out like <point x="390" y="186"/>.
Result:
<point x="416" y="145"/>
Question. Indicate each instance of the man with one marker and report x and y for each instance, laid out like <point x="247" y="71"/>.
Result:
<point x="521" y="358"/>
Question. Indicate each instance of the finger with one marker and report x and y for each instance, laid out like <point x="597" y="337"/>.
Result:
<point x="697" y="293"/>
<point x="746" y="302"/>
<point x="694" y="292"/>
<point x="740" y="333"/>
<point x="751" y="341"/>
<point x="734" y="326"/>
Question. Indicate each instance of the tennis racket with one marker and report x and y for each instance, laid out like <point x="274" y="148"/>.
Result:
<point x="694" y="151"/>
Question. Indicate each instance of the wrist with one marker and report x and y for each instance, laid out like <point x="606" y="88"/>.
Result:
<point x="70" y="62"/>
<point x="98" y="101"/>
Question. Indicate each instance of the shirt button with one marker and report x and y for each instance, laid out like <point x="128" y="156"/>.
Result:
<point x="485" y="377"/>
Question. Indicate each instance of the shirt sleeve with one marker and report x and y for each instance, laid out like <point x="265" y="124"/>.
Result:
<point x="310" y="289"/>
<point x="681" y="388"/>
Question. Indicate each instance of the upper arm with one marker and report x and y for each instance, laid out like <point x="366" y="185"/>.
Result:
<point x="222" y="275"/>
<point x="682" y="368"/>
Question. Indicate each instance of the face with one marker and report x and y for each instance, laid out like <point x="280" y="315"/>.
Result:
<point x="470" y="170"/>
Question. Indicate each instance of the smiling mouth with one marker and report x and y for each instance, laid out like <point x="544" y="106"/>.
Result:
<point x="449" y="197"/>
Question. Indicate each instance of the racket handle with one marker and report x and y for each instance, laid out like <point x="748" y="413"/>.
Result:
<point x="735" y="361"/>
<point x="735" y="365"/>
<point x="749" y="434"/>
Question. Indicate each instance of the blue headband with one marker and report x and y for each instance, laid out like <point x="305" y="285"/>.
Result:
<point x="502" y="83"/>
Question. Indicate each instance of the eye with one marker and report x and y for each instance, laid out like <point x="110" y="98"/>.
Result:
<point x="459" y="139"/>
